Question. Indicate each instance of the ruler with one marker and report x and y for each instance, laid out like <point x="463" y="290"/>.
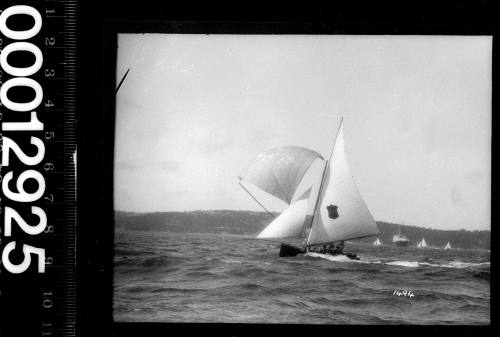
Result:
<point x="39" y="154"/>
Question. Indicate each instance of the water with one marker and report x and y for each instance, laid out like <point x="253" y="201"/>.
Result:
<point x="171" y="277"/>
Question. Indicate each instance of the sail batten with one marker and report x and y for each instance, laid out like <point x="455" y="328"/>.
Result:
<point x="341" y="213"/>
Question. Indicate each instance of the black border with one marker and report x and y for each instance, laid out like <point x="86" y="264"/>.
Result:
<point x="97" y="42"/>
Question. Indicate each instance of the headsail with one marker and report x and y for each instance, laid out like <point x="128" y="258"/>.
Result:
<point x="288" y="224"/>
<point x="341" y="213"/>
<point x="279" y="171"/>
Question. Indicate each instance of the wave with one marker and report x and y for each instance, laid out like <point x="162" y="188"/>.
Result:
<point x="232" y="261"/>
<point x="201" y="274"/>
<point x="150" y="263"/>
<point x="408" y="264"/>
<point x="336" y="258"/>
<point x="119" y="252"/>
<point x="483" y="274"/>
<point x="456" y="264"/>
<point x="227" y="279"/>
<point x="174" y="290"/>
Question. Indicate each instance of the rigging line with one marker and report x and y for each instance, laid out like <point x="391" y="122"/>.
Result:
<point x="250" y="194"/>
<point x="327" y="163"/>
<point x="134" y="62"/>
<point x="121" y="82"/>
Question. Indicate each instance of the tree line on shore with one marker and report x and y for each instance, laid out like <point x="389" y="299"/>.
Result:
<point x="251" y="223"/>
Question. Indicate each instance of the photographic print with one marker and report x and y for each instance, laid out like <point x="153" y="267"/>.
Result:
<point x="312" y="179"/>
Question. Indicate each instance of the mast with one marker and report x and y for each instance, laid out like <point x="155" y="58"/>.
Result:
<point x="327" y="163"/>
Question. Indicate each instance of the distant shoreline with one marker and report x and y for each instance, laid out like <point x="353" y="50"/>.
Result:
<point x="221" y="211"/>
<point x="251" y="223"/>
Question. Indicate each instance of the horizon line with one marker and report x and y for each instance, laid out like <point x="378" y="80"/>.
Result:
<point x="244" y="210"/>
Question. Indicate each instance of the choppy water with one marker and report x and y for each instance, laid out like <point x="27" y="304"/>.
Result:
<point x="170" y="277"/>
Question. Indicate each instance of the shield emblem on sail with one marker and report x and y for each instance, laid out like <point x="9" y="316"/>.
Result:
<point x="332" y="211"/>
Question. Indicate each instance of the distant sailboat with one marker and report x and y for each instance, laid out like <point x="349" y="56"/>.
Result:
<point x="377" y="242"/>
<point x="448" y="246"/>
<point x="331" y="210"/>
<point x="422" y="244"/>
<point x="400" y="240"/>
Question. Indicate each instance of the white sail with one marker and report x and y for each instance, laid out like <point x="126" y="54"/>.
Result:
<point x="288" y="224"/>
<point x="422" y="244"/>
<point x="279" y="171"/>
<point x="315" y="187"/>
<point x="341" y="213"/>
<point x="448" y="246"/>
<point x="377" y="242"/>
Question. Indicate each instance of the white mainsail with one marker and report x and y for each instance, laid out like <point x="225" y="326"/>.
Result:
<point x="377" y="242"/>
<point x="422" y="244"/>
<point x="341" y="213"/>
<point x="279" y="171"/>
<point x="448" y="246"/>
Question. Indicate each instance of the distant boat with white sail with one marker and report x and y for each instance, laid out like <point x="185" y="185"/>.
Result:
<point x="330" y="211"/>
<point x="400" y="240"/>
<point x="448" y="246"/>
<point x="422" y="244"/>
<point x="377" y="242"/>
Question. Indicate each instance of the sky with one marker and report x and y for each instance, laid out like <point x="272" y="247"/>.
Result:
<point x="195" y="110"/>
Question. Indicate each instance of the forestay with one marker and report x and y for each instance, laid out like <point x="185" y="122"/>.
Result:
<point x="341" y="213"/>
